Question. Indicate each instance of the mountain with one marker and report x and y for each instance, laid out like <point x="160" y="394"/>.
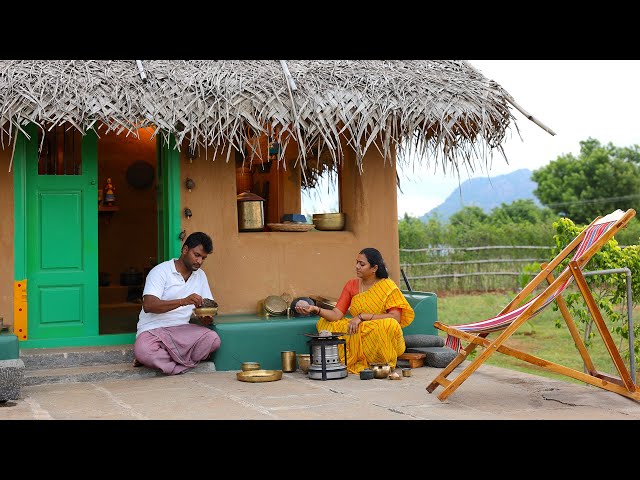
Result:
<point x="487" y="193"/>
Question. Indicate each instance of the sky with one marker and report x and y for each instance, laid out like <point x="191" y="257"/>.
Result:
<point x="577" y="99"/>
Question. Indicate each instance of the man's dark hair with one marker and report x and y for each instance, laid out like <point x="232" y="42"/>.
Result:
<point x="199" y="238"/>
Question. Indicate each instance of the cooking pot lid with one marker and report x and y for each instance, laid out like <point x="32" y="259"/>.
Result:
<point x="248" y="196"/>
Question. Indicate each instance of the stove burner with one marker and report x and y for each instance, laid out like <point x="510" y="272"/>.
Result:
<point x="325" y="358"/>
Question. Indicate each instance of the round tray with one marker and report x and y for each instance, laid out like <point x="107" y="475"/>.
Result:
<point x="255" y="376"/>
<point x="290" y="227"/>
<point x="275" y="305"/>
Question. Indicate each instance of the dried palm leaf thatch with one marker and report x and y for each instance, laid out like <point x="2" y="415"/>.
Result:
<point x="428" y="110"/>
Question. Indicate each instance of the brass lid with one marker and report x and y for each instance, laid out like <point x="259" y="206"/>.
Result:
<point x="275" y="305"/>
<point x="249" y="197"/>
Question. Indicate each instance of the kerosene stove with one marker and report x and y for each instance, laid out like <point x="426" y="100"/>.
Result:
<point x="325" y="357"/>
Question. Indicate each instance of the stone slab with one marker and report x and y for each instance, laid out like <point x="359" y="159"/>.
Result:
<point x="11" y="376"/>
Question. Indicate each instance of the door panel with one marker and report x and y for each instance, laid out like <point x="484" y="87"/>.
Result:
<point x="62" y="241"/>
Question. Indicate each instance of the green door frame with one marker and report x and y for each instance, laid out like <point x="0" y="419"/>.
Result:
<point x="26" y="150"/>
<point x="168" y="161"/>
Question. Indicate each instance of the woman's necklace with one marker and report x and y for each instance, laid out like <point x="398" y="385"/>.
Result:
<point x="363" y="288"/>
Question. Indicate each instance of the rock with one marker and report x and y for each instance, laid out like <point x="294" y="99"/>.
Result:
<point x="438" y="357"/>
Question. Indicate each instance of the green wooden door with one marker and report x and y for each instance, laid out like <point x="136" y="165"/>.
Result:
<point x="62" y="238"/>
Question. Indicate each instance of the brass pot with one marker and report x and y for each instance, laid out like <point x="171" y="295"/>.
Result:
<point x="329" y="221"/>
<point x="250" y="366"/>
<point x="380" y="370"/>
<point x="250" y="212"/>
<point x="304" y="361"/>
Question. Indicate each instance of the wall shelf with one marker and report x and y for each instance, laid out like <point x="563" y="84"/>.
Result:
<point x="106" y="208"/>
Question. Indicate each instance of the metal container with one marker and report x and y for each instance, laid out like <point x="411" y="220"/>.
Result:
<point x="304" y="361"/>
<point x="250" y="212"/>
<point x="366" y="374"/>
<point x="380" y="370"/>
<point x="249" y="366"/>
<point x="288" y="361"/>
<point x="329" y="221"/>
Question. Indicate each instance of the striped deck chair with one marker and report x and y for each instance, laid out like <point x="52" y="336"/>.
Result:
<point x="583" y="247"/>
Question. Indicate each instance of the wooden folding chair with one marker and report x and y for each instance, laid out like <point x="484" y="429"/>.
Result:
<point x="585" y="245"/>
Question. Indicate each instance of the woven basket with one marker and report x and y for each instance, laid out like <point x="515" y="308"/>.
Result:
<point x="290" y="227"/>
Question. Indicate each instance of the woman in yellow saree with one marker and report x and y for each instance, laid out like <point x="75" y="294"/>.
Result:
<point x="378" y="312"/>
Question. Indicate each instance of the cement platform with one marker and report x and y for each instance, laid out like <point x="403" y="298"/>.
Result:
<point x="491" y="393"/>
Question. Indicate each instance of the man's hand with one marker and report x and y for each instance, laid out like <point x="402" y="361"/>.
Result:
<point x="193" y="299"/>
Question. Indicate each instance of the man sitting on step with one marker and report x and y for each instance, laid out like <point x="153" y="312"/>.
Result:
<point x="165" y="339"/>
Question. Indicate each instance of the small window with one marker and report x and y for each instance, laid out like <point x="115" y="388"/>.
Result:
<point x="323" y="196"/>
<point x="61" y="151"/>
<point x="290" y="190"/>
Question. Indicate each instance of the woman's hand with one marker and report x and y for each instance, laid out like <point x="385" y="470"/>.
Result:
<point x="306" y="309"/>
<point x="353" y="324"/>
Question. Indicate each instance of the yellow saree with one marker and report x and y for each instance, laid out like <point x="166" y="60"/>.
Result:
<point x="377" y="341"/>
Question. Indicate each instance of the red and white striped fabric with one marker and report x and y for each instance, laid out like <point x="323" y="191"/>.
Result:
<point x="501" y="322"/>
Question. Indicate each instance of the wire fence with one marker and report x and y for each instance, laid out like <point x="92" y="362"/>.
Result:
<point x="471" y="269"/>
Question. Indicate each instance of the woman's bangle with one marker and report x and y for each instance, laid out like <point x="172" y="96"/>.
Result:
<point x="360" y="317"/>
<point x="318" y="312"/>
<point x="371" y="317"/>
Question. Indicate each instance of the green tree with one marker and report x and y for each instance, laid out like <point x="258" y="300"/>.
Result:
<point x="521" y="211"/>
<point x="411" y="232"/>
<point x="609" y="291"/>
<point x="602" y="179"/>
<point x="468" y="217"/>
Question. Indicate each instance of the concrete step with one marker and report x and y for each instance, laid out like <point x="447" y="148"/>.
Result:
<point x="92" y="373"/>
<point x="87" y="364"/>
<point x="41" y="358"/>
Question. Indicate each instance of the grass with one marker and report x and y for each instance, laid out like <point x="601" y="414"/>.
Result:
<point x="539" y="336"/>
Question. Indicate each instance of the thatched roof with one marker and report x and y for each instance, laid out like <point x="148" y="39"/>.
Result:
<point x="428" y="110"/>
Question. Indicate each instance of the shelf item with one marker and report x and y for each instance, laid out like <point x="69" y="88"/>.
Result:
<point x="290" y="227"/>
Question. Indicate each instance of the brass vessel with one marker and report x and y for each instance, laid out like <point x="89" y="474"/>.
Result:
<point x="250" y="212"/>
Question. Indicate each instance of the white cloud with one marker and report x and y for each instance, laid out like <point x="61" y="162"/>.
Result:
<point x="577" y="99"/>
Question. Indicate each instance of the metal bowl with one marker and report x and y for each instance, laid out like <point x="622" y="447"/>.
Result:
<point x="380" y="370"/>
<point x="249" y="366"/>
<point x="205" y="311"/>
<point x="329" y="221"/>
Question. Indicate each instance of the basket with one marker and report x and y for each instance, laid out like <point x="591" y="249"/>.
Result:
<point x="290" y="227"/>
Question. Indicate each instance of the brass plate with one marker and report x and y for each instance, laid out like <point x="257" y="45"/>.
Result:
<point x="275" y="305"/>
<point x="324" y="302"/>
<point x="255" y="376"/>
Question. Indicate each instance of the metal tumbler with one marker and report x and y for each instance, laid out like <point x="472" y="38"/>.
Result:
<point x="288" y="361"/>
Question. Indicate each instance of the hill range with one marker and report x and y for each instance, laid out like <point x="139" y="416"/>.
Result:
<point x="487" y="193"/>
